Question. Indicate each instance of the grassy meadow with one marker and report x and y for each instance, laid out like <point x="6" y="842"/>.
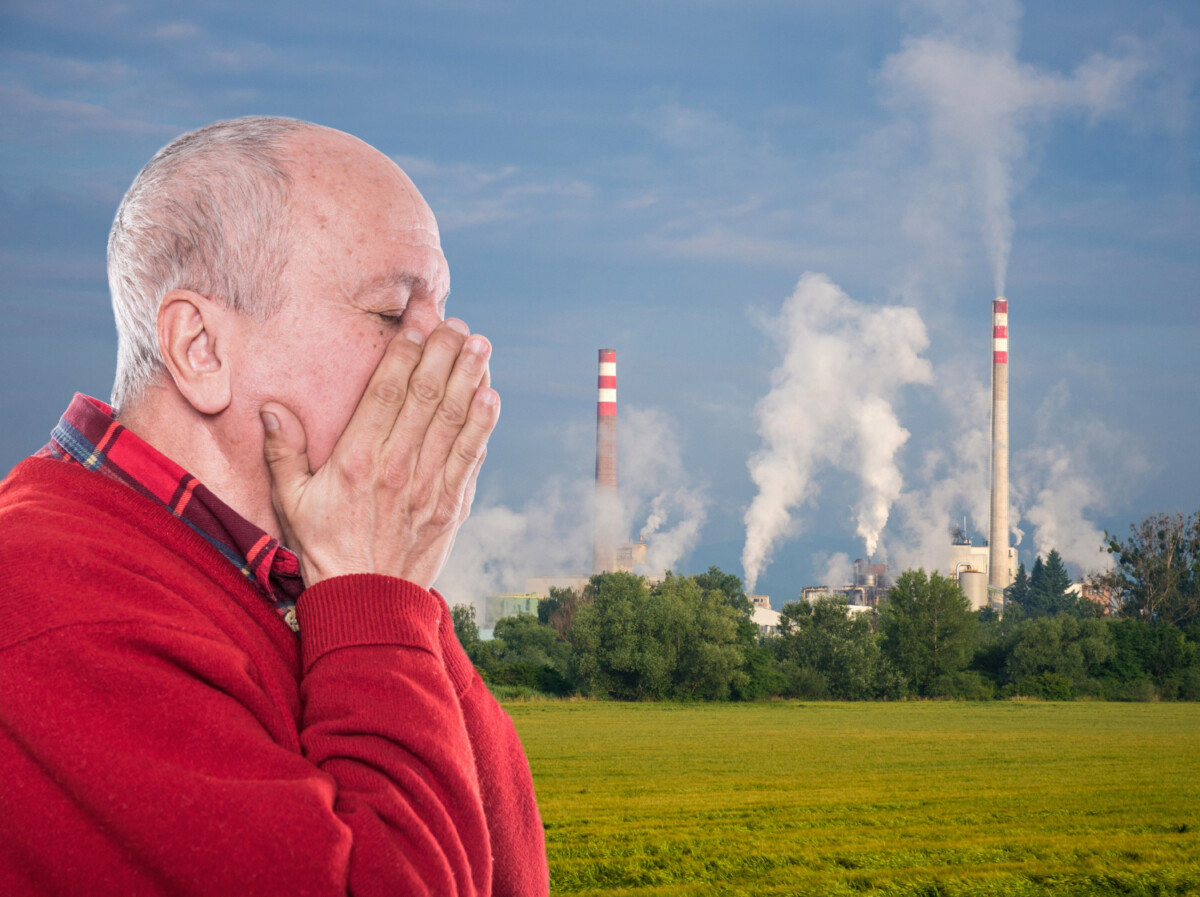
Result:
<point x="943" y="798"/>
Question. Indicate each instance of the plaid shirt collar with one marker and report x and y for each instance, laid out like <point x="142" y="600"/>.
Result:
<point x="89" y="435"/>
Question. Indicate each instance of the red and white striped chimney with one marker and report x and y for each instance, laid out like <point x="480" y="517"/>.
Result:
<point x="607" y="514"/>
<point x="999" y="570"/>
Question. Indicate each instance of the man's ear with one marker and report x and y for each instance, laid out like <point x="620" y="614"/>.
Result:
<point x="194" y="341"/>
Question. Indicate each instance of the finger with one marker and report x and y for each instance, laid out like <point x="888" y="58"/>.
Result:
<point x="381" y="401"/>
<point x="469" y="374"/>
<point x="427" y="387"/>
<point x="469" y="449"/>
<point x="469" y="495"/>
<point x="285" y="448"/>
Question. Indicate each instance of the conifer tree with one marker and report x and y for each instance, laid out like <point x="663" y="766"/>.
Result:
<point x="1018" y="592"/>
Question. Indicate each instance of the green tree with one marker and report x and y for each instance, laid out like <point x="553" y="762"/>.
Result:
<point x="465" y="627"/>
<point x="615" y="648"/>
<point x="1058" y="657"/>
<point x="1047" y="592"/>
<point x="728" y="584"/>
<point x="700" y="633"/>
<point x="928" y="629"/>
<point x="559" y="609"/>
<point x="524" y="652"/>
<point x="1018" y="592"/>
<point x="1157" y="569"/>
<point x="827" y="650"/>
<point x="675" y="641"/>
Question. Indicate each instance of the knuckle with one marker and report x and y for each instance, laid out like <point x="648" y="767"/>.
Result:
<point x="387" y="392"/>
<point x="467" y="453"/>
<point x="452" y="413"/>
<point x="446" y="513"/>
<point x="358" y="463"/>
<point x="397" y="474"/>
<point x="426" y="390"/>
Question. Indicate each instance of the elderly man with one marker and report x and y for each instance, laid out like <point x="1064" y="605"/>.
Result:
<point x="187" y="706"/>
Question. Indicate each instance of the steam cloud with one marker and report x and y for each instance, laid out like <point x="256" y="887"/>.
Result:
<point x="1074" y="467"/>
<point x="961" y="77"/>
<point x="500" y="547"/>
<point x="831" y="404"/>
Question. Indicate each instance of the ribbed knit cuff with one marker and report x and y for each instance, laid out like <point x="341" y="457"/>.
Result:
<point x="454" y="658"/>
<point x="367" y="609"/>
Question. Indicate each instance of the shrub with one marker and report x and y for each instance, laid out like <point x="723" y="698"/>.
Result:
<point x="1048" y="686"/>
<point x="966" y="685"/>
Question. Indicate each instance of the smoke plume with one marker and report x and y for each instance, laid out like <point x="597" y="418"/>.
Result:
<point x="960" y="77"/>
<point x="1076" y="468"/>
<point x="550" y="534"/>
<point x="656" y="489"/>
<point x="831" y="404"/>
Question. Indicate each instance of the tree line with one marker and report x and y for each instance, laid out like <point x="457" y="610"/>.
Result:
<point x="692" y="637"/>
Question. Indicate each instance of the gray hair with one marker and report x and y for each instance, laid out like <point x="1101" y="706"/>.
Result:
<point x="209" y="213"/>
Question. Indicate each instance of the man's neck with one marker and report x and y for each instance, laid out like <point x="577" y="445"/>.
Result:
<point x="225" y="457"/>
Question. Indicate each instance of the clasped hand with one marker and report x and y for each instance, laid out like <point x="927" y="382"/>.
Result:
<point x="401" y="478"/>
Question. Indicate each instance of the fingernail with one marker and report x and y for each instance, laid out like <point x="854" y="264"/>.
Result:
<point x="414" y="336"/>
<point x="477" y="345"/>
<point x="270" y="421"/>
<point x="489" y="397"/>
<point x="456" y="324"/>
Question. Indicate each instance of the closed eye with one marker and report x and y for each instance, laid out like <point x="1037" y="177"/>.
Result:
<point x="390" y="319"/>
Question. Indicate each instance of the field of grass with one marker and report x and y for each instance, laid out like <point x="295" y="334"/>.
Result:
<point x="926" y="799"/>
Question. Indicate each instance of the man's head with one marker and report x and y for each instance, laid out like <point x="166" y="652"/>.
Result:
<point x="208" y="213"/>
<point x="265" y="260"/>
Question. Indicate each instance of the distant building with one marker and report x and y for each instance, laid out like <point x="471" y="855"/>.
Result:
<point x="870" y="586"/>
<point x="630" y="556"/>
<point x="966" y="557"/>
<point x="759" y="601"/>
<point x="766" y="620"/>
<point x="541" y="585"/>
<point x="1105" y="599"/>
<point x="497" y="607"/>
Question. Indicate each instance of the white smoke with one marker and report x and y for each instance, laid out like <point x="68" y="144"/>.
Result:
<point x="961" y="77"/>
<point x="831" y="404"/>
<point x="500" y="547"/>
<point x="836" y="569"/>
<point x="953" y="479"/>
<point x="1075" y="469"/>
<point x="656" y="488"/>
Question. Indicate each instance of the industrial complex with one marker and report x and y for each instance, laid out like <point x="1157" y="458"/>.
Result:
<point x="983" y="571"/>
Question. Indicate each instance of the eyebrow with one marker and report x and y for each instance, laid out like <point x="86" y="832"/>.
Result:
<point x="392" y="281"/>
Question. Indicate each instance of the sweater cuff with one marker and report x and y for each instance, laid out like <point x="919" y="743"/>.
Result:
<point x="454" y="658"/>
<point x="367" y="609"/>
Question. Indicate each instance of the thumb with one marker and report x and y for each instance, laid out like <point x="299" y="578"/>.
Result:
<point x="285" y="448"/>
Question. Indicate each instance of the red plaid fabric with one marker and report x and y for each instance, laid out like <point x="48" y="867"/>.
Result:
<point x="88" y="434"/>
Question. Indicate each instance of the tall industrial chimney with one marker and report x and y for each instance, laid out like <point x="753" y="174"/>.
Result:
<point x="608" y="515"/>
<point x="998" y="566"/>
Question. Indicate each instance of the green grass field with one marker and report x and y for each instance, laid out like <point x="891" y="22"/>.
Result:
<point x="899" y="798"/>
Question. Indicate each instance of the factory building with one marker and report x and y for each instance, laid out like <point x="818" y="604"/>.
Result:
<point x="869" y="588"/>
<point x="970" y="564"/>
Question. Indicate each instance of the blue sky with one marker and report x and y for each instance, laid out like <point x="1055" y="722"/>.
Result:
<point x="658" y="177"/>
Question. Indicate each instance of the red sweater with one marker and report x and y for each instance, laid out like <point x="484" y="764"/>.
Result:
<point x="162" y="731"/>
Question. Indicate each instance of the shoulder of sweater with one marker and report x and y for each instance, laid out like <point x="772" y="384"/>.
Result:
<point x="77" y="547"/>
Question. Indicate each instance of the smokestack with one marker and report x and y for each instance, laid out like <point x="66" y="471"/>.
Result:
<point x="998" y="566"/>
<point x="607" y="518"/>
